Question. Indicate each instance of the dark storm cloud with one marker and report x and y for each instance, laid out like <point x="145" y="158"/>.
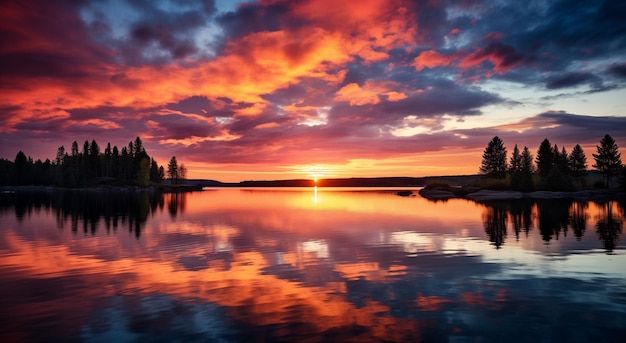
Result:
<point x="579" y="30"/>
<point x="179" y="127"/>
<point x="252" y="17"/>
<point x="160" y="31"/>
<point x="572" y="80"/>
<point x="271" y="116"/>
<point x="618" y="69"/>
<point x="46" y="39"/>
<point x="220" y="107"/>
<point x="548" y="37"/>
<point x="504" y="56"/>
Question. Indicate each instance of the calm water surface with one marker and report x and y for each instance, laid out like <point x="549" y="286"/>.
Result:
<point x="241" y="265"/>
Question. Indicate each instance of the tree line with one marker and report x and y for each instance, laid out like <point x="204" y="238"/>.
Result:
<point x="552" y="169"/>
<point x="130" y="165"/>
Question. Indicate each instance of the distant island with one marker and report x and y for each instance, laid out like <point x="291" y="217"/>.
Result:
<point x="394" y="182"/>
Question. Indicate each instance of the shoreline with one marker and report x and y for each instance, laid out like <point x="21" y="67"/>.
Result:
<point x="102" y="189"/>
<point x="482" y="195"/>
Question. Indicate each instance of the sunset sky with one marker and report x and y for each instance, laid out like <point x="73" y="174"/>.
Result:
<point x="276" y="89"/>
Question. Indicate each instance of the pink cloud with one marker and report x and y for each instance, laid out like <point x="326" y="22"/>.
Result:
<point x="432" y="59"/>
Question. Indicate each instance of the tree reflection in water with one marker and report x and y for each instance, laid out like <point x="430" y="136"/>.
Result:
<point x="176" y="202"/>
<point x="554" y="218"/>
<point x="89" y="210"/>
<point x="609" y="226"/>
<point x="495" y="220"/>
<point x="578" y="218"/>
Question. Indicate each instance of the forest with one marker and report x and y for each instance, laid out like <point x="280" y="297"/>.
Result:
<point x="553" y="169"/>
<point x="129" y="166"/>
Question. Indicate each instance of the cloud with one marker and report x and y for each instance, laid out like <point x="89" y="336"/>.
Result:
<point x="370" y="94"/>
<point x="432" y="59"/>
<point x="562" y="128"/>
<point x="503" y="56"/>
<point x="618" y="69"/>
<point x="572" y="80"/>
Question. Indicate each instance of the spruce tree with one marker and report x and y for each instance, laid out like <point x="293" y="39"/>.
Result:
<point x="494" y="159"/>
<point x="608" y="159"/>
<point x="515" y="164"/>
<point x="545" y="158"/>
<point x="577" y="161"/>
<point x="172" y="170"/>
<point x="523" y="180"/>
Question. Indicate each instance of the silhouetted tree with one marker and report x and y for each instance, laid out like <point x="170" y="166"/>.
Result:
<point x="107" y="160"/>
<point x="86" y="167"/>
<point x="545" y="158"/>
<point x="74" y="149"/>
<point x="172" y="170"/>
<point x="125" y="164"/>
<point x="182" y="173"/>
<point x="521" y="168"/>
<point x="527" y="169"/>
<point x="20" y="168"/>
<point x="608" y="159"/>
<point x="94" y="158"/>
<point x="139" y="146"/>
<point x="515" y="164"/>
<point x="143" y="173"/>
<point x="60" y="156"/>
<point x="577" y="161"/>
<point x="527" y="161"/>
<point x="115" y="162"/>
<point x="155" y="176"/>
<point x="494" y="159"/>
<point x="561" y="160"/>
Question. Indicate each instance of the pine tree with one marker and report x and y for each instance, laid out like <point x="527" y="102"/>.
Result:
<point x="545" y="158"/>
<point x="494" y="159"/>
<point x="182" y="173"/>
<point x="608" y="159"/>
<point x="154" y="171"/>
<point x="521" y="179"/>
<point x="172" y="170"/>
<point x="527" y="161"/>
<point x="515" y="165"/>
<point x="577" y="161"/>
<point x="562" y="161"/>
<point x="74" y="149"/>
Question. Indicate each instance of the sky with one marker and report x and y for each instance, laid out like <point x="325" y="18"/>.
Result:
<point x="276" y="89"/>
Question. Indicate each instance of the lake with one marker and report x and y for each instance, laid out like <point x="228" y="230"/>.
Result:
<point x="308" y="265"/>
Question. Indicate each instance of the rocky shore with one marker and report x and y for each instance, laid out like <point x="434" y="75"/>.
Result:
<point x="490" y="195"/>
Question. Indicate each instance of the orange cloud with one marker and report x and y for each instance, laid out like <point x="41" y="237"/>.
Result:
<point x="370" y="93"/>
<point x="432" y="59"/>
<point x="367" y="30"/>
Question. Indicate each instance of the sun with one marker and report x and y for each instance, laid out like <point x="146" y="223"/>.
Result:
<point x="315" y="172"/>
